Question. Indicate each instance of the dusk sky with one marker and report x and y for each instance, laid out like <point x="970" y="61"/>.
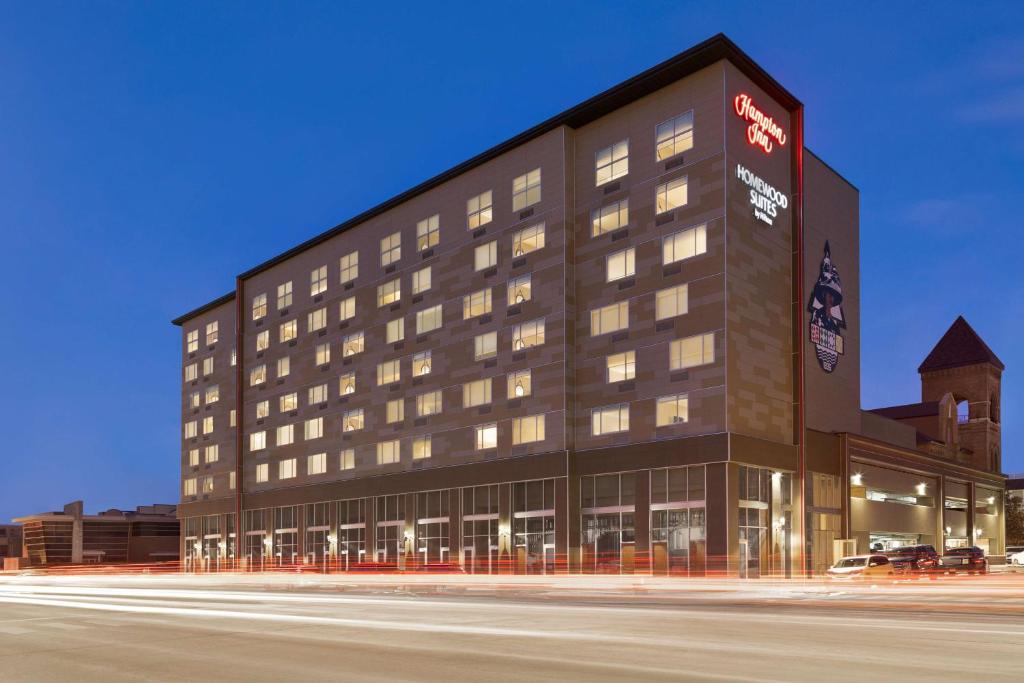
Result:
<point x="152" y="151"/>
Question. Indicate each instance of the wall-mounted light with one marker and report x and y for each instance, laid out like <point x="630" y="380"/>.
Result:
<point x="857" y="479"/>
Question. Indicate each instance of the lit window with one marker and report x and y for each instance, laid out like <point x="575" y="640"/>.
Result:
<point x="528" y="239"/>
<point x="193" y="457"/>
<point x="692" y="351"/>
<point x="611" y="162"/>
<point x="519" y="290"/>
<point x="476" y="393"/>
<point x="527" y="429"/>
<point x="389" y="292"/>
<point x="288" y="331"/>
<point x="258" y="375"/>
<point x="478" y="210"/>
<point x="391" y="249"/>
<point x="317" y="394"/>
<point x="421" y="280"/>
<point x="347" y="384"/>
<point x="212" y="333"/>
<point x="190" y="486"/>
<point x="429" y="319"/>
<point x="388" y="372"/>
<point x="684" y="244"/>
<point x="318" y="281"/>
<point x="528" y="334"/>
<point x="388" y="452"/>
<point x="231" y="480"/>
<point x="621" y="366"/>
<point x="428" y="404"/>
<point x="285" y="435"/>
<point x="395" y="331"/>
<point x="671" y="195"/>
<point x="212" y="453"/>
<point x="609" y="318"/>
<point x="262" y="473"/>
<point x="485" y="256"/>
<point x="671" y="302"/>
<point x="427" y="232"/>
<point x="314" y="429"/>
<point x="259" y="306"/>
<point x="316" y="463"/>
<point x="234" y="357"/>
<point x="672" y="410"/>
<point x="421" y="447"/>
<point x="284" y="367"/>
<point x="609" y="218"/>
<point x="207" y="366"/>
<point x="263" y="341"/>
<point x="395" y="410"/>
<point x="212" y="394"/>
<point x="191" y="429"/>
<point x="421" y="363"/>
<point x="486" y="436"/>
<point x="194" y="399"/>
<point x="286" y="469"/>
<point x="284" y="295"/>
<point x="477" y="303"/>
<point x="352" y="420"/>
<point x="262" y="410"/>
<point x="526" y="190"/>
<point x="207" y="484"/>
<point x="317" y="320"/>
<point x="674" y="136"/>
<point x="347" y="461"/>
<point x="520" y="384"/>
<point x="620" y="264"/>
<point x="191" y="372"/>
<point x="257" y="441"/>
<point x="288" y="402"/>
<point x="192" y="339"/>
<point x="352" y="344"/>
<point x="349" y="264"/>
<point x="485" y="346"/>
<point x="231" y="417"/>
<point x="347" y="308"/>
<point x="208" y="424"/>
<point x="609" y="419"/>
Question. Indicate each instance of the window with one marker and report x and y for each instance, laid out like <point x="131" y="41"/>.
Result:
<point x="347" y="384"/>
<point x="288" y="331"/>
<point x="316" y="463"/>
<point x="478" y="210"/>
<point x="429" y="319"/>
<point x="421" y="364"/>
<point x="395" y="410"/>
<point x="421" y="447"/>
<point x="528" y="334"/>
<point x="314" y="428"/>
<point x="620" y="366"/>
<point x="317" y="320"/>
<point x="611" y="162"/>
<point x="672" y="410"/>
<point x="192" y="341"/>
<point x="190" y="486"/>
<point x="609" y="318"/>
<point x="286" y="469"/>
<point x="390" y="249"/>
<point x="527" y="429"/>
<point x="609" y="419"/>
<point x="318" y="394"/>
<point x="288" y="402"/>
<point x="285" y="435"/>
<point x="388" y="372"/>
<point x="389" y="292"/>
<point x="528" y="239"/>
<point x="421" y="280"/>
<point x="208" y="424"/>
<point x="428" y="404"/>
<point x="347" y="308"/>
<point x="388" y="452"/>
<point x="692" y="351"/>
<point x="258" y="375"/>
<point x="621" y="264"/>
<point x="352" y="344"/>
<point x="212" y="333"/>
<point x="674" y="136"/>
<point x="670" y="302"/>
<point x="212" y="453"/>
<point x="257" y="441"/>
<point x="519" y="384"/>
<point x="485" y="256"/>
<point x="259" y="306"/>
<point x="519" y="290"/>
<point x="526" y="190"/>
<point x="212" y="394"/>
<point x="263" y="341"/>
<point x="284" y="367"/>
<point x="193" y="457"/>
<point x="670" y="195"/>
<point x="485" y="346"/>
<point x="262" y="473"/>
<point x="427" y="232"/>
<point x="486" y="436"/>
<point x="395" y="331"/>
<point x="477" y="303"/>
<point x="476" y="393"/>
<point x="231" y="417"/>
<point x="684" y="244"/>
<point x="284" y="295"/>
<point x="191" y="372"/>
<point x="207" y="484"/>
<point x="347" y="461"/>
<point x="349" y="264"/>
<point x="352" y="420"/>
<point x="207" y="366"/>
<point x="262" y="410"/>
<point x="231" y="480"/>
<point x="234" y="357"/>
<point x="318" y="281"/>
<point x="194" y="399"/>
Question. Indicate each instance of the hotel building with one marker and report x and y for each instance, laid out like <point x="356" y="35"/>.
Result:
<point x="618" y="341"/>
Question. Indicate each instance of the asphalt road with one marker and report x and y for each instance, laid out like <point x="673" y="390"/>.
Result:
<point x="570" y="628"/>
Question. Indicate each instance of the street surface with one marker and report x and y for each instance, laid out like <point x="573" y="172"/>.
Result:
<point x="275" y="627"/>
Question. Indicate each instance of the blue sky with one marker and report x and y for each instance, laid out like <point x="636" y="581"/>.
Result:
<point x="151" y="151"/>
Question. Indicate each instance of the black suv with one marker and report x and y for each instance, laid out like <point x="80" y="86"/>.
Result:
<point x="970" y="559"/>
<point x="914" y="559"/>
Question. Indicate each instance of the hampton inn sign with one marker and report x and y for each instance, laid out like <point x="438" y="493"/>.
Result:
<point x="762" y="130"/>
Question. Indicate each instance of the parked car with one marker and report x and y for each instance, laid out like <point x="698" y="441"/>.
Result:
<point x="1015" y="556"/>
<point x="915" y="559"/>
<point x="861" y="567"/>
<point x="970" y="559"/>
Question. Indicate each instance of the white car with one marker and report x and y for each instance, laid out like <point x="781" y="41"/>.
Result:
<point x="861" y="567"/>
<point x="1016" y="558"/>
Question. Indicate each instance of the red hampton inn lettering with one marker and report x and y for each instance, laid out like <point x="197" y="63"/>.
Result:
<point x="762" y="129"/>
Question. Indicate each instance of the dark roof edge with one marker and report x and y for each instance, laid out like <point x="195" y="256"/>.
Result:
<point x="182" y="319"/>
<point x="829" y="167"/>
<point x="702" y="55"/>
